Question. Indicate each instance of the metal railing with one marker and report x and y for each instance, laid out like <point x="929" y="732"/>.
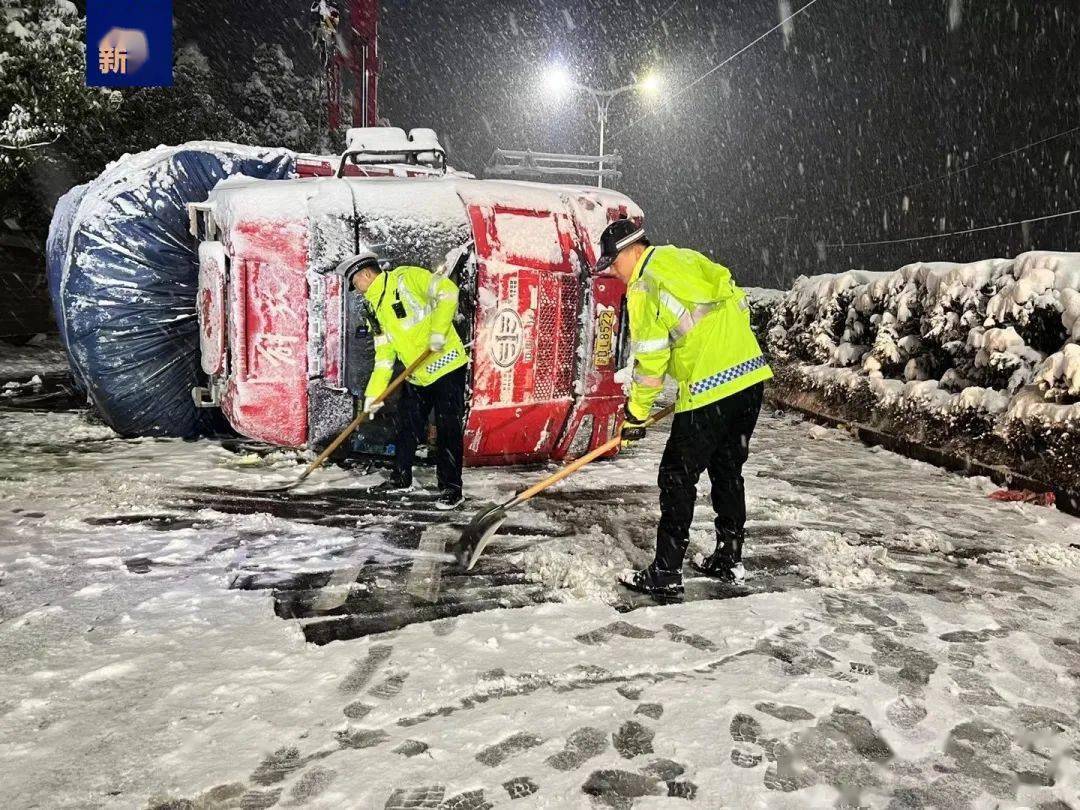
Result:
<point x="526" y="164"/>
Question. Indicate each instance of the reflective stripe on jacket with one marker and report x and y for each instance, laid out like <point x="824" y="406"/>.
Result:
<point x="690" y="321"/>
<point x="411" y="304"/>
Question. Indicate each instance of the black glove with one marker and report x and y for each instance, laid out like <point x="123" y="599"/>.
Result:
<point x="633" y="429"/>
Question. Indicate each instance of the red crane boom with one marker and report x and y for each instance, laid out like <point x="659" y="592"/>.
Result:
<point x="358" y="58"/>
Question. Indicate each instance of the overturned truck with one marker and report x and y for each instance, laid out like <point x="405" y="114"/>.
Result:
<point x="196" y="288"/>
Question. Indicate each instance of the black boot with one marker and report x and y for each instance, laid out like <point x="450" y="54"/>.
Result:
<point x="449" y="499"/>
<point x="653" y="581"/>
<point x="725" y="563"/>
<point x="393" y="485"/>
<point x="716" y="567"/>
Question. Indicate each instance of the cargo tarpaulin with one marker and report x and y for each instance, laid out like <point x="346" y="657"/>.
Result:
<point x="123" y="270"/>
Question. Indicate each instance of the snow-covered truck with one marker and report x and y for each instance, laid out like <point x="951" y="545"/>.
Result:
<point x="280" y="347"/>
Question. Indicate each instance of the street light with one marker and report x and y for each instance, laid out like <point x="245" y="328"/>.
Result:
<point x="559" y="82"/>
<point x="652" y="84"/>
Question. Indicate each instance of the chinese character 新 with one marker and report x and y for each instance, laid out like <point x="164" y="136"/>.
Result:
<point x="112" y="60"/>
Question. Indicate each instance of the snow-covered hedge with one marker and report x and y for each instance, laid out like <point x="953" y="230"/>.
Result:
<point x="762" y="301"/>
<point x="986" y="354"/>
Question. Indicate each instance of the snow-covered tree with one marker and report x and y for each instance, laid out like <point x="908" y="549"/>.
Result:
<point x="42" y="85"/>
<point x="194" y="108"/>
<point x="281" y="106"/>
<point x="57" y="132"/>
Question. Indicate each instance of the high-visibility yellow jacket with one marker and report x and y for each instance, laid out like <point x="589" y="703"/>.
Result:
<point x="689" y="321"/>
<point x="411" y="304"/>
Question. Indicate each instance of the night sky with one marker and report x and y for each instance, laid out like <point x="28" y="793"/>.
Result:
<point x="808" y="138"/>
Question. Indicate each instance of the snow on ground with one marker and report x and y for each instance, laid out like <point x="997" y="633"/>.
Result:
<point x="43" y="354"/>
<point x="941" y="669"/>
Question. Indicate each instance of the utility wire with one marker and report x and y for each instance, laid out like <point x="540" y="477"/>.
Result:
<point x="946" y="176"/>
<point x="987" y="161"/>
<point x="683" y="90"/>
<point x="953" y="233"/>
<point x="660" y="17"/>
<point x="715" y="68"/>
<point x="900" y="190"/>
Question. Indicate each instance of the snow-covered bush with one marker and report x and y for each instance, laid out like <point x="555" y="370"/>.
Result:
<point x="762" y="300"/>
<point x="1046" y="432"/>
<point x="55" y="131"/>
<point x="810" y="322"/>
<point x="985" y="353"/>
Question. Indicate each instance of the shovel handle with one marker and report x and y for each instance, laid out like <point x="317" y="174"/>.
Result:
<point x="362" y="417"/>
<point x="588" y="458"/>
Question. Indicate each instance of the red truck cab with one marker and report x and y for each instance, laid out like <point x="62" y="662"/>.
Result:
<point x="285" y="349"/>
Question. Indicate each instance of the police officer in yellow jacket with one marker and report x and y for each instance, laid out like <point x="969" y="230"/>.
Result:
<point x="410" y="310"/>
<point x="689" y="321"/>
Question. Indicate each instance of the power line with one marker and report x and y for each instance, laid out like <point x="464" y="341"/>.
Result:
<point x="683" y="90"/>
<point x="664" y="13"/>
<point x="953" y="233"/>
<point x="715" y="68"/>
<point x="946" y="176"/>
<point x="900" y="190"/>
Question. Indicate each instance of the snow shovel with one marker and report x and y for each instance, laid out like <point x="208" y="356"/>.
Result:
<point x="479" y="532"/>
<point x="361" y="417"/>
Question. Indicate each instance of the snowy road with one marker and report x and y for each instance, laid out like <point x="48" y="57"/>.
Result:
<point x="940" y="669"/>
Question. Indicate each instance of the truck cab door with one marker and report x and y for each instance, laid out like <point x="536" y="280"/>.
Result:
<point x="526" y="325"/>
<point x="604" y="346"/>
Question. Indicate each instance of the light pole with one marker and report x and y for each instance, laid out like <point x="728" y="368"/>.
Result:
<point x="559" y="82"/>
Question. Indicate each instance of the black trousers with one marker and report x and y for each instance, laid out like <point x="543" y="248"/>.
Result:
<point x="716" y="438"/>
<point x="447" y="397"/>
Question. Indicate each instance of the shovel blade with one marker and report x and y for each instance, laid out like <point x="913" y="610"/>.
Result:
<point x="282" y="488"/>
<point x="476" y="536"/>
<point x="228" y="490"/>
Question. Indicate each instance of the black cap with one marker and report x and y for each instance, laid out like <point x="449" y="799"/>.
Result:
<point x="618" y="235"/>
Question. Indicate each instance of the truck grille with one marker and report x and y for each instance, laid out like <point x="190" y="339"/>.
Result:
<point x="556" y="337"/>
